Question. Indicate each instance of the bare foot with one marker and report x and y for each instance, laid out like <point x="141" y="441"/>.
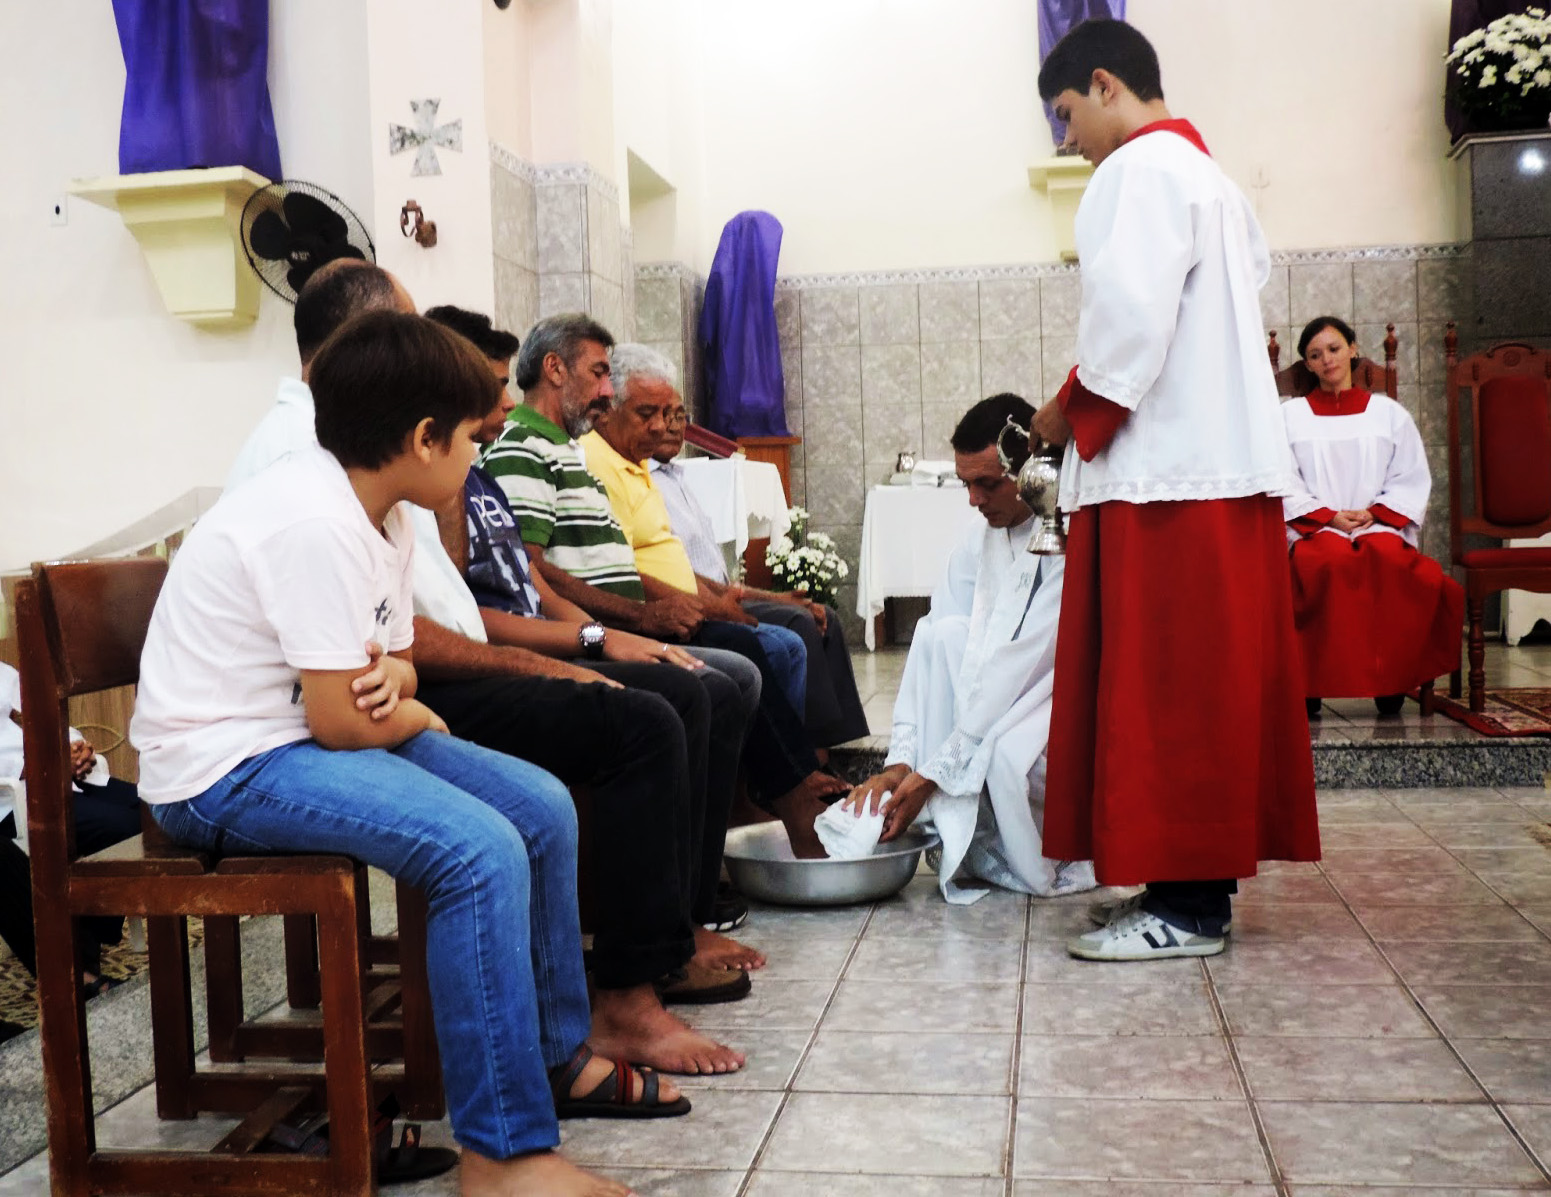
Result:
<point x="799" y="806"/>
<point x="538" y="1174"/>
<point x="631" y="1024"/>
<point x="715" y="950"/>
<point x="601" y="1066"/>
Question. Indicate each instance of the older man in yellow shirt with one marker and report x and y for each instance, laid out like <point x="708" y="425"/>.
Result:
<point x="616" y="452"/>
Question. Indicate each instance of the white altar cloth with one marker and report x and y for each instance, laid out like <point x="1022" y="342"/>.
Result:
<point x="908" y="533"/>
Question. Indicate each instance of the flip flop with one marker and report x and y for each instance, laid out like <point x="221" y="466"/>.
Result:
<point x="407" y="1162"/>
<point x="611" y="1097"/>
<point x="698" y="985"/>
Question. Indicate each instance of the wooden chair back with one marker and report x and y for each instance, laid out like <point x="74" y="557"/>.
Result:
<point x="1367" y="374"/>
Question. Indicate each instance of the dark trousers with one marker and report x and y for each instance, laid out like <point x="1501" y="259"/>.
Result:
<point x="1200" y="907"/>
<point x="834" y="711"/>
<point x="628" y="747"/>
<point x="104" y="816"/>
<point x="779" y="753"/>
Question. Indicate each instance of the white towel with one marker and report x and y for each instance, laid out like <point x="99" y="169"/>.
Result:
<point x="848" y="835"/>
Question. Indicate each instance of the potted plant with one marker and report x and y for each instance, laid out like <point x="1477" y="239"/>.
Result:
<point x="1500" y="76"/>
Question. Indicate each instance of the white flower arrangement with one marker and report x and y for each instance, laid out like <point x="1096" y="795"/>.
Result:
<point x="1500" y="76"/>
<point x="800" y="560"/>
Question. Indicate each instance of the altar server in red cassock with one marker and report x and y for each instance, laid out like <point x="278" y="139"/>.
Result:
<point x="1179" y="751"/>
<point x="1374" y="616"/>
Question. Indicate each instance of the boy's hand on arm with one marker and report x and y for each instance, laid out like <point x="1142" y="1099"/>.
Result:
<point x="388" y="679"/>
<point x="336" y="723"/>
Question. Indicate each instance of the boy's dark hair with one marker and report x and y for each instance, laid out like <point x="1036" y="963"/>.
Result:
<point x="562" y="334"/>
<point x="1101" y="44"/>
<point x="1318" y="325"/>
<point x="495" y="343"/>
<point x="982" y="424"/>
<point x="381" y="373"/>
<point x="338" y="290"/>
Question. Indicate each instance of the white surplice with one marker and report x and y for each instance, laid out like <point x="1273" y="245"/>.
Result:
<point x="973" y="715"/>
<point x="1352" y="462"/>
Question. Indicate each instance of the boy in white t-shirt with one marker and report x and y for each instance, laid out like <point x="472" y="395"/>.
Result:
<point x="276" y="712"/>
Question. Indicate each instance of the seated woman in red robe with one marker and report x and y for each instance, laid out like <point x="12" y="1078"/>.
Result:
<point x="1375" y="617"/>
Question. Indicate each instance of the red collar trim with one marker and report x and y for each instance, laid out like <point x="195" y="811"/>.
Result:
<point x="1174" y="125"/>
<point x="1348" y="403"/>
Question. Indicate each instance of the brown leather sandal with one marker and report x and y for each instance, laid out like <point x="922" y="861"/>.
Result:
<point x="611" y="1097"/>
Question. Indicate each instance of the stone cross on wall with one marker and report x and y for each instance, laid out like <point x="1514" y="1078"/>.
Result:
<point x="425" y="137"/>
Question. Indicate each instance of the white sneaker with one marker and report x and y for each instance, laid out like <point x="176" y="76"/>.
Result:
<point x="1137" y="935"/>
<point x="1105" y="911"/>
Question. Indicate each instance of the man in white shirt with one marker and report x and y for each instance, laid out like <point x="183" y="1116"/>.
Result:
<point x="1179" y="751"/>
<point x="972" y="718"/>
<point x="277" y="712"/>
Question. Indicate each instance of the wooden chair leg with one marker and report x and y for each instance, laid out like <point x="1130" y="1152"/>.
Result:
<point x="223" y="986"/>
<point x="1428" y="698"/>
<point x="344" y="1047"/>
<point x="1476" y="643"/>
<point x="423" y="1096"/>
<point x="302" y="989"/>
<point x="172" y="1015"/>
<point x="66" y="1060"/>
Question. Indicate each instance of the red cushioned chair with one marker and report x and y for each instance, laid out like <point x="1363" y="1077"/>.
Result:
<point x="1508" y="442"/>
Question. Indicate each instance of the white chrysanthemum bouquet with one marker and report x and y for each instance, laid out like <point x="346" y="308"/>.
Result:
<point x="803" y="560"/>
<point x="1500" y="76"/>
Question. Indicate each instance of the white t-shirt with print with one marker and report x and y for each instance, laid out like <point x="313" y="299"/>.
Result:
<point x="285" y="573"/>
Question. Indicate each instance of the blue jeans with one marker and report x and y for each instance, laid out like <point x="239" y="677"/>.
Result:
<point x="789" y="659"/>
<point x="492" y="842"/>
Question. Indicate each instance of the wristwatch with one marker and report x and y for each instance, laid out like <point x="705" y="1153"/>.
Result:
<point x="591" y="637"/>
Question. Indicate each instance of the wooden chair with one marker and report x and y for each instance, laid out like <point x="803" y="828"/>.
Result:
<point x="1297" y="379"/>
<point x="81" y="626"/>
<point x="1506" y="395"/>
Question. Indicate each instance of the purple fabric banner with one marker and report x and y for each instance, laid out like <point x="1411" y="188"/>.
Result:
<point x="195" y="92"/>
<point x="745" y="390"/>
<point x="1056" y="18"/>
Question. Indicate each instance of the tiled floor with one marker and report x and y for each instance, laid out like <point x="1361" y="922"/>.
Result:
<point x="1380" y="1020"/>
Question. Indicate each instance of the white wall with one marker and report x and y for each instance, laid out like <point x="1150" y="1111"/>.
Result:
<point x="897" y="133"/>
<point x="109" y="407"/>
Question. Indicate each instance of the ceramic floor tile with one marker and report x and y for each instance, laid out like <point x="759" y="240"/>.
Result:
<point x="1398" y="1191"/>
<point x="26" y="1180"/>
<point x="1137" y="1140"/>
<point x="1488" y="1011"/>
<point x="1330" y="962"/>
<point x="1394" y="1143"/>
<point x="1109" y="1188"/>
<point x="1283" y="887"/>
<point x="829" y="1184"/>
<point x="1520" y="888"/>
<point x="1450" y="796"/>
<point x="722" y="1133"/>
<point x="1362" y="814"/>
<point x="1521" y="833"/>
<point x="869" y="1062"/>
<point x="1472" y="963"/>
<point x="927" y="1136"/>
<point x="771" y="1006"/>
<point x="1534" y="1123"/>
<point x="1305" y="1010"/>
<point x="923" y="1007"/>
<point x="1371" y="835"/>
<point x="772" y="1058"/>
<point x="811" y="923"/>
<point x="1524" y="858"/>
<point x="919" y="915"/>
<point x="669" y="1182"/>
<point x="1447" y="924"/>
<point x="1483" y="810"/>
<point x="1096" y="1008"/>
<point x="1455" y="888"/>
<point x="1339" y="862"/>
<point x="1133" y="1066"/>
<point x="1512" y="1070"/>
<point x="793" y="960"/>
<point x="1307" y="1069"/>
<point x="907" y="959"/>
<point x="1056" y="924"/>
<point x="1257" y="921"/>
<point x="1538" y="913"/>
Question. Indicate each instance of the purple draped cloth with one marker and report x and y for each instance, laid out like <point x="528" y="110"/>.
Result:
<point x="1056" y="18"/>
<point x="746" y="392"/>
<point x="195" y="92"/>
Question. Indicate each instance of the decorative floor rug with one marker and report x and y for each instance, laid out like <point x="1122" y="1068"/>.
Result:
<point x="1507" y="712"/>
<point x="19" y="992"/>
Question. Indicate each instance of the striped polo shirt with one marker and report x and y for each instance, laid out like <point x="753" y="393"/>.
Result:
<point x="559" y="506"/>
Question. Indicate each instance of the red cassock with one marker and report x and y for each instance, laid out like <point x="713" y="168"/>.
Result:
<point x="1179" y="747"/>
<point x="1374" y="616"/>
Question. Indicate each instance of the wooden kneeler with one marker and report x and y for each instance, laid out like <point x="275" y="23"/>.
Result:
<point x="81" y="626"/>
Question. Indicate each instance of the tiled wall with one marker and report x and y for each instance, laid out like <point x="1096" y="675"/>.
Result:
<point x="876" y="364"/>
<point x="559" y="245"/>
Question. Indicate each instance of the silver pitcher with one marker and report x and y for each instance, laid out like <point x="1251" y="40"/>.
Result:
<point x="1039" y="485"/>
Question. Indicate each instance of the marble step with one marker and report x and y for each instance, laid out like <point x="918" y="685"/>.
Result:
<point x="1413" y="758"/>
